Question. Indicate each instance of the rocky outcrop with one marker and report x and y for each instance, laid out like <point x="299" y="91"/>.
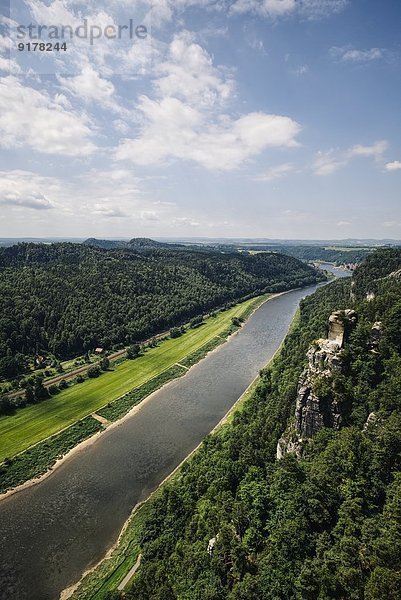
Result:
<point x="341" y="323"/>
<point x="395" y="274"/>
<point x="316" y="407"/>
<point x="376" y="334"/>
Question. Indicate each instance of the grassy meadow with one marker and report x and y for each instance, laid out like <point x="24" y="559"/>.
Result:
<point x="38" y="421"/>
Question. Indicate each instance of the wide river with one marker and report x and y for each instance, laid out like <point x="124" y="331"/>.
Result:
<point x="52" y="532"/>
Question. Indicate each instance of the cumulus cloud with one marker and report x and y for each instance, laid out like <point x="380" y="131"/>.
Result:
<point x="393" y="166"/>
<point x="32" y="118"/>
<point x="188" y="73"/>
<point x="176" y="130"/>
<point x="23" y="189"/>
<point x="347" y="54"/>
<point x="9" y="66"/>
<point x="186" y="120"/>
<point x="89" y="86"/>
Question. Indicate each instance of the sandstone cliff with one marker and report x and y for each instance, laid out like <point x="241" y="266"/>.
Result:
<point x="316" y="407"/>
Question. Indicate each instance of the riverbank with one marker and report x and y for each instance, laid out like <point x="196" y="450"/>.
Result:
<point x="40" y="460"/>
<point x="120" y="559"/>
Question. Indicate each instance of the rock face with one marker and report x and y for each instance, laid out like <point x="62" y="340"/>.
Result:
<point x="315" y="409"/>
<point x="376" y="335"/>
<point x="341" y="323"/>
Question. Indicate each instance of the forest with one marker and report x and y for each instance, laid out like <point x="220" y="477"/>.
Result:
<point x="238" y="524"/>
<point x="69" y="298"/>
<point x="339" y="256"/>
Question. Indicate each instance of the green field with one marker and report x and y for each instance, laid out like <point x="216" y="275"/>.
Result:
<point x="36" y="422"/>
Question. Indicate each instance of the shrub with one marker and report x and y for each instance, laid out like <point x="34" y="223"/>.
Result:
<point x="94" y="371"/>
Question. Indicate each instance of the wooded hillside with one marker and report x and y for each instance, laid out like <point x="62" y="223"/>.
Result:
<point x="69" y="298"/>
<point x="326" y="525"/>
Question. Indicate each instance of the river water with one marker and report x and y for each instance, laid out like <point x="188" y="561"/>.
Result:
<point x="52" y="532"/>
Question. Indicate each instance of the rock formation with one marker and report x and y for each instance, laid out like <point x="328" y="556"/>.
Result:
<point x="316" y="409"/>
<point x="376" y="335"/>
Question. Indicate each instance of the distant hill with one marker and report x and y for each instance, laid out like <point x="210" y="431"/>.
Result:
<point x="106" y="244"/>
<point x="134" y="244"/>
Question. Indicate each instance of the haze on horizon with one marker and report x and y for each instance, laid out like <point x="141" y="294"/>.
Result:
<point x="257" y="118"/>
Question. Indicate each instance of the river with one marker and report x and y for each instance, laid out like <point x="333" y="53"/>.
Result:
<point x="52" y="532"/>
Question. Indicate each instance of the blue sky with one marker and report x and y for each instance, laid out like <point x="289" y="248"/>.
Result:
<point x="233" y="118"/>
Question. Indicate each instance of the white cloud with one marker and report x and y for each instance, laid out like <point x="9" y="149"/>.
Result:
<point x="89" y="86"/>
<point x="347" y="54"/>
<point x="23" y="189"/>
<point x="265" y="8"/>
<point x="189" y="74"/>
<point x="300" y="71"/>
<point x="329" y="162"/>
<point x="393" y="166"/>
<point x="175" y="130"/>
<point x="275" y="172"/>
<point x="31" y="117"/>
<point x="185" y="221"/>
<point x="9" y="66"/>
<point x="150" y="215"/>
<point x="376" y="150"/>
<point x="165" y="10"/>
<point x="121" y="126"/>
<point x="344" y="223"/>
<point x="390" y="224"/>
<point x="104" y="210"/>
<point x="185" y="121"/>
<point x="281" y="8"/>
<point x="54" y="13"/>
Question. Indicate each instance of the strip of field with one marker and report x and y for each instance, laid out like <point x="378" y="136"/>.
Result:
<point x="39" y="421"/>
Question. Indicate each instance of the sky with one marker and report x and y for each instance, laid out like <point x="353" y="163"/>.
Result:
<point x="206" y="118"/>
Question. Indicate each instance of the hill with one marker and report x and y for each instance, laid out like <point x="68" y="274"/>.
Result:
<point x="134" y="244"/>
<point x="69" y="298"/>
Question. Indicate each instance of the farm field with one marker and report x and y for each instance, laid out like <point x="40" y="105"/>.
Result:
<point x="38" y="421"/>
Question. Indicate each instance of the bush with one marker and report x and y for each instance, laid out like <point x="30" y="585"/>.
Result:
<point x="176" y="332"/>
<point x="133" y="351"/>
<point x="105" y="364"/>
<point x="6" y="406"/>
<point x="196" y="321"/>
<point x="94" y="371"/>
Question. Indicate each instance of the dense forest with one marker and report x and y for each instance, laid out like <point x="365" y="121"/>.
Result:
<point x="238" y="524"/>
<point x="69" y="298"/>
<point x="339" y="256"/>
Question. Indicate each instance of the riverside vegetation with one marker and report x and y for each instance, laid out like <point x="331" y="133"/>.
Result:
<point x="112" y="395"/>
<point x="236" y="523"/>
